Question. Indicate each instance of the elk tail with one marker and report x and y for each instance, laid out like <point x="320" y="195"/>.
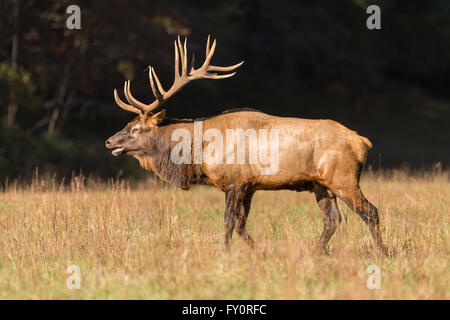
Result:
<point x="367" y="142"/>
<point x="361" y="146"/>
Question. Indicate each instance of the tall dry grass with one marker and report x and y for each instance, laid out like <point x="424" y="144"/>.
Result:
<point x="152" y="241"/>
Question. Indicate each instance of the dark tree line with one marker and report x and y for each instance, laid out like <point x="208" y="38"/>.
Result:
<point x="306" y="58"/>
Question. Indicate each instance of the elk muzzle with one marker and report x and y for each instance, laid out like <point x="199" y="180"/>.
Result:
<point x="115" y="143"/>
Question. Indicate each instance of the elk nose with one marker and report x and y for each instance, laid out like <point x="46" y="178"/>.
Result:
<point x="108" y="143"/>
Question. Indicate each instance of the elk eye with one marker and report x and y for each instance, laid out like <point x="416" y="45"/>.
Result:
<point x="135" y="130"/>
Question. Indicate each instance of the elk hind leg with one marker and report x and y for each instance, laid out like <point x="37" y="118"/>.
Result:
<point x="326" y="201"/>
<point x="367" y="211"/>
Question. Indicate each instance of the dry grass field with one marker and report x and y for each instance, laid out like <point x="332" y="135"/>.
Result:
<point x="152" y="241"/>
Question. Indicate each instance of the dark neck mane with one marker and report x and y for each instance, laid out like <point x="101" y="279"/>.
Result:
<point x="182" y="175"/>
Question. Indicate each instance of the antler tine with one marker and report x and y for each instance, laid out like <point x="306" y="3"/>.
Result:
<point x="192" y="64"/>
<point x="125" y="106"/>
<point x="183" y="56"/>
<point x="185" y="60"/>
<point x="210" y="54"/>
<point x="230" y="68"/>
<point x="207" y="45"/>
<point x="158" y="83"/>
<point x="180" y="48"/>
<point x="158" y="93"/>
<point x="216" y="76"/>
<point x="177" y="62"/>
<point x="155" y="92"/>
<point x="132" y="100"/>
<point x="125" y="87"/>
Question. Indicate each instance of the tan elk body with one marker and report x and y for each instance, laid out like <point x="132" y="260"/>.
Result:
<point x="321" y="156"/>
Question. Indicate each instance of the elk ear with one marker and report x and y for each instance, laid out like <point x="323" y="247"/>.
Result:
<point x="157" y="118"/>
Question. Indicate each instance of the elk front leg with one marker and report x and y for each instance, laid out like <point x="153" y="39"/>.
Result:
<point x="238" y="202"/>
<point x="242" y="218"/>
<point x="230" y="215"/>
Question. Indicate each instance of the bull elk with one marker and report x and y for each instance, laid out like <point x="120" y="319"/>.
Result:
<point x="320" y="156"/>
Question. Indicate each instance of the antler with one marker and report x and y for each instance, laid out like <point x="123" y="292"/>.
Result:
<point x="180" y="79"/>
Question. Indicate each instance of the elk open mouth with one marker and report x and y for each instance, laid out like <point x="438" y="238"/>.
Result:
<point x="118" y="151"/>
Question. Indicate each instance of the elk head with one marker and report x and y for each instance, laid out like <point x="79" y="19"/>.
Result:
<point x="136" y="136"/>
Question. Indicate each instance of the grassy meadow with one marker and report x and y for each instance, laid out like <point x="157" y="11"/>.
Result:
<point x="153" y="241"/>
